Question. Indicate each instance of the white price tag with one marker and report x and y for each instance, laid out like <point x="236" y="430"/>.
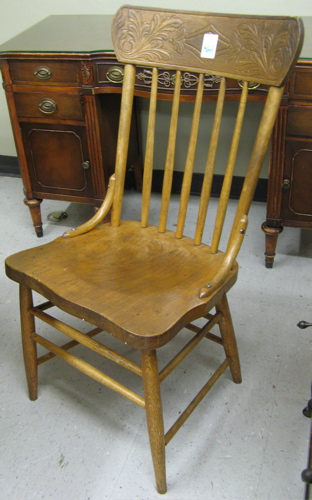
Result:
<point x="209" y="46"/>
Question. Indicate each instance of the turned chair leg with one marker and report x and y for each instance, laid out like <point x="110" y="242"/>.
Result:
<point x="29" y="346"/>
<point x="154" y="417"/>
<point x="229" y="340"/>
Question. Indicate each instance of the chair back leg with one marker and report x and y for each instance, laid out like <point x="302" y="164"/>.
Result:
<point x="229" y="340"/>
<point x="154" y="416"/>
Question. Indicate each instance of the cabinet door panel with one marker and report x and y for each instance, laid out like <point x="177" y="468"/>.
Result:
<point x="56" y="157"/>
<point x="297" y="199"/>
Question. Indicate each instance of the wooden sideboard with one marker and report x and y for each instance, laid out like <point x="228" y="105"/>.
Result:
<point x="64" y="107"/>
<point x="63" y="85"/>
<point x="289" y="200"/>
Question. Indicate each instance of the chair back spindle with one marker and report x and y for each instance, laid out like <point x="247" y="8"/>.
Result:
<point x="149" y="151"/>
<point x="210" y="165"/>
<point x="189" y="164"/>
<point x="169" y="164"/>
<point x="123" y="140"/>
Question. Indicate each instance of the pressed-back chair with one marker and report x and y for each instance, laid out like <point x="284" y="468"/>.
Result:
<point x="143" y="283"/>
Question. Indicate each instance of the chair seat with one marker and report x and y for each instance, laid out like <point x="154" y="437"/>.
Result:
<point x="141" y="286"/>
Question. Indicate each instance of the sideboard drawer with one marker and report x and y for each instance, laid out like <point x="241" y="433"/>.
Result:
<point x="299" y="121"/>
<point x="49" y="105"/>
<point x="301" y="84"/>
<point x="44" y="71"/>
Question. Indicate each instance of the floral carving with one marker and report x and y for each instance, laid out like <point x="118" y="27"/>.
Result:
<point x="150" y="41"/>
<point x="258" y="50"/>
<point x="85" y="73"/>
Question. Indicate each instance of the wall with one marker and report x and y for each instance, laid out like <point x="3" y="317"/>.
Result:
<point x="18" y="15"/>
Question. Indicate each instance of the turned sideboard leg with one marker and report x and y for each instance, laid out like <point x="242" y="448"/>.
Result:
<point x="35" y="212"/>
<point x="271" y="235"/>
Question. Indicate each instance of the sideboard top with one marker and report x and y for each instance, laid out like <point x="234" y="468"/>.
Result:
<point x="67" y="33"/>
<point x="88" y="33"/>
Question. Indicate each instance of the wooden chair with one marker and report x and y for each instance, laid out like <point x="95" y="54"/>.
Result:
<point x="143" y="283"/>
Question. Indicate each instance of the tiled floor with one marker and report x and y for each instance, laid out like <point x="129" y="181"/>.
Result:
<point x="80" y="441"/>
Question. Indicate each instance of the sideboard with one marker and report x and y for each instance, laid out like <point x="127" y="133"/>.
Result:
<point x="63" y="101"/>
<point x="289" y="199"/>
<point x="63" y="83"/>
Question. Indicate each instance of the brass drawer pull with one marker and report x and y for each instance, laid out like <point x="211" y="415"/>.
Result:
<point x="47" y="106"/>
<point x="115" y="74"/>
<point x="286" y="184"/>
<point x="86" y="164"/>
<point x="43" y="73"/>
<point x="251" y="85"/>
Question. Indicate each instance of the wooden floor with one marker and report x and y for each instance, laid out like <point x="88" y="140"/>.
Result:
<point x="250" y="441"/>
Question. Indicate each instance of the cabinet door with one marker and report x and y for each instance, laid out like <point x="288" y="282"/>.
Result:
<point x="57" y="157"/>
<point x="297" y="184"/>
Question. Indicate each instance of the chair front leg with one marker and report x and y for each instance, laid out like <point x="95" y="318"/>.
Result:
<point x="229" y="340"/>
<point x="154" y="415"/>
<point x="29" y="346"/>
